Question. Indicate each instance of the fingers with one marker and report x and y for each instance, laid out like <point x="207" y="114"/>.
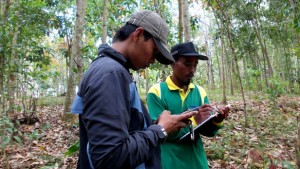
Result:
<point x="186" y="115"/>
<point x="166" y="112"/>
<point x="206" y="107"/>
<point x="223" y="113"/>
<point x="181" y="125"/>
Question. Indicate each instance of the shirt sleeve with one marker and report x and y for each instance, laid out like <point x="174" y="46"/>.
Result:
<point x="211" y="128"/>
<point x="156" y="107"/>
<point x="154" y="103"/>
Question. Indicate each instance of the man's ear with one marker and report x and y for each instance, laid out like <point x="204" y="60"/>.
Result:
<point x="172" y="65"/>
<point x="138" y="33"/>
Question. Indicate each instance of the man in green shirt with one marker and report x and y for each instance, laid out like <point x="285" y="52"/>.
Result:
<point x="177" y="94"/>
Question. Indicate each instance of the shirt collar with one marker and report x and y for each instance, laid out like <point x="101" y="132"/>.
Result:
<point x="172" y="86"/>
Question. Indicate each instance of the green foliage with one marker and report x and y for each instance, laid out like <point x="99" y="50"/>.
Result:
<point x="287" y="164"/>
<point x="217" y="150"/>
<point x="9" y="134"/>
<point x="35" y="135"/>
<point x="277" y="88"/>
<point x="72" y="149"/>
<point x="50" y="101"/>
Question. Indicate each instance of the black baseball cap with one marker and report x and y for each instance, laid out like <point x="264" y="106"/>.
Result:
<point x="186" y="49"/>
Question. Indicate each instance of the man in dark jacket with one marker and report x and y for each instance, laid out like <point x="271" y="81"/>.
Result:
<point x="115" y="128"/>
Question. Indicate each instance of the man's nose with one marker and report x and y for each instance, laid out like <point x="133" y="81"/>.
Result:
<point x="193" y="69"/>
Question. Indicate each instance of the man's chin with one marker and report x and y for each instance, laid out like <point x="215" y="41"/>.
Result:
<point x="186" y="83"/>
<point x="134" y="68"/>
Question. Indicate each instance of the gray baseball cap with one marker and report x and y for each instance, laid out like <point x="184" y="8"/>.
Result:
<point x="158" y="28"/>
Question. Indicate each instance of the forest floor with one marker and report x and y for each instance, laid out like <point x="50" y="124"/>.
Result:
<point x="267" y="141"/>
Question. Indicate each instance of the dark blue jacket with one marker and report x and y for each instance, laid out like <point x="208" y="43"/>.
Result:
<point x="115" y="129"/>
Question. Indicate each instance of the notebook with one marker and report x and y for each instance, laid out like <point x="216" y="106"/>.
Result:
<point x="197" y="129"/>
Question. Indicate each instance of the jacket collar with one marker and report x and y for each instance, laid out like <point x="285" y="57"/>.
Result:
<point x="106" y="50"/>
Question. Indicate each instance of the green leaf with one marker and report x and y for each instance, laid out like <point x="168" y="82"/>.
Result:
<point x="9" y="129"/>
<point x="287" y="164"/>
<point x="19" y="108"/>
<point x="72" y="149"/>
<point x="75" y="70"/>
<point x="18" y="139"/>
<point x="6" y="141"/>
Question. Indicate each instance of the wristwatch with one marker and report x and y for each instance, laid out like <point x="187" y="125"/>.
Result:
<point x="164" y="131"/>
<point x="163" y="134"/>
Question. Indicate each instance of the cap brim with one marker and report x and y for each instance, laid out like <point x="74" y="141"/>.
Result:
<point x="164" y="57"/>
<point x="200" y="57"/>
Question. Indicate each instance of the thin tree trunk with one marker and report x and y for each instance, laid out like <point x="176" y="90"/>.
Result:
<point x="186" y="21"/>
<point x="76" y="58"/>
<point x="210" y="74"/>
<point x="217" y="54"/>
<point x="104" y="22"/>
<point x="158" y="10"/>
<point x="180" y="25"/>
<point x="295" y="6"/>
<point x="256" y="65"/>
<point x="263" y="48"/>
<point x="223" y="63"/>
<point x="4" y="14"/>
<point x="228" y="61"/>
<point x="297" y="143"/>
<point x="224" y="100"/>
<point x="12" y="82"/>
<point x="226" y="22"/>
<point x="2" y="100"/>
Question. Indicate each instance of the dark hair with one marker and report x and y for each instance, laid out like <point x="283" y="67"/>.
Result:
<point x="124" y="32"/>
<point x="176" y="57"/>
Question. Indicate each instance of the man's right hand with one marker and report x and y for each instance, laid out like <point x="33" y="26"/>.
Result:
<point x="172" y="123"/>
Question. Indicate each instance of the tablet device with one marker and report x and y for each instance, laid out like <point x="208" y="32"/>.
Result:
<point x="197" y="129"/>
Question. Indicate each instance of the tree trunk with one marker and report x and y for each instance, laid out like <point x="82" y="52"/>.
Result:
<point x="210" y="67"/>
<point x="262" y="43"/>
<point x="295" y="6"/>
<point x="224" y="99"/>
<point x="163" y="67"/>
<point x="297" y="143"/>
<point x="186" y="21"/>
<point x="222" y="66"/>
<point x="12" y="82"/>
<point x="76" y="58"/>
<point x="3" y="18"/>
<point x="104" y="22"/>
<point x="226" y="23"/>
<point x="180" y="24"/>
<point x="228" y="61"/>
<point x="2" y="100"/>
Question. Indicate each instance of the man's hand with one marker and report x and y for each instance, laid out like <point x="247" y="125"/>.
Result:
<point x="223" y="113"/>
<point x="172" y="123"/>
<point x="203" y="113"/>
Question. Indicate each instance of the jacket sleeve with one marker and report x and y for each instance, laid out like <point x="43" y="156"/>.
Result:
<point x="106" y="117"/>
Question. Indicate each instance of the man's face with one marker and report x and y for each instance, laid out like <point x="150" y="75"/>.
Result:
<point x="184" y="69"/>
<point x="144" y="52"/>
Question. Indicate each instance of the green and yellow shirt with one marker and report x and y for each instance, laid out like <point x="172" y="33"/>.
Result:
<point x="167" y="96"/>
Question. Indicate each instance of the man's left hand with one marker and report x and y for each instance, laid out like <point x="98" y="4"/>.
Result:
<point x="222" y="113"/>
